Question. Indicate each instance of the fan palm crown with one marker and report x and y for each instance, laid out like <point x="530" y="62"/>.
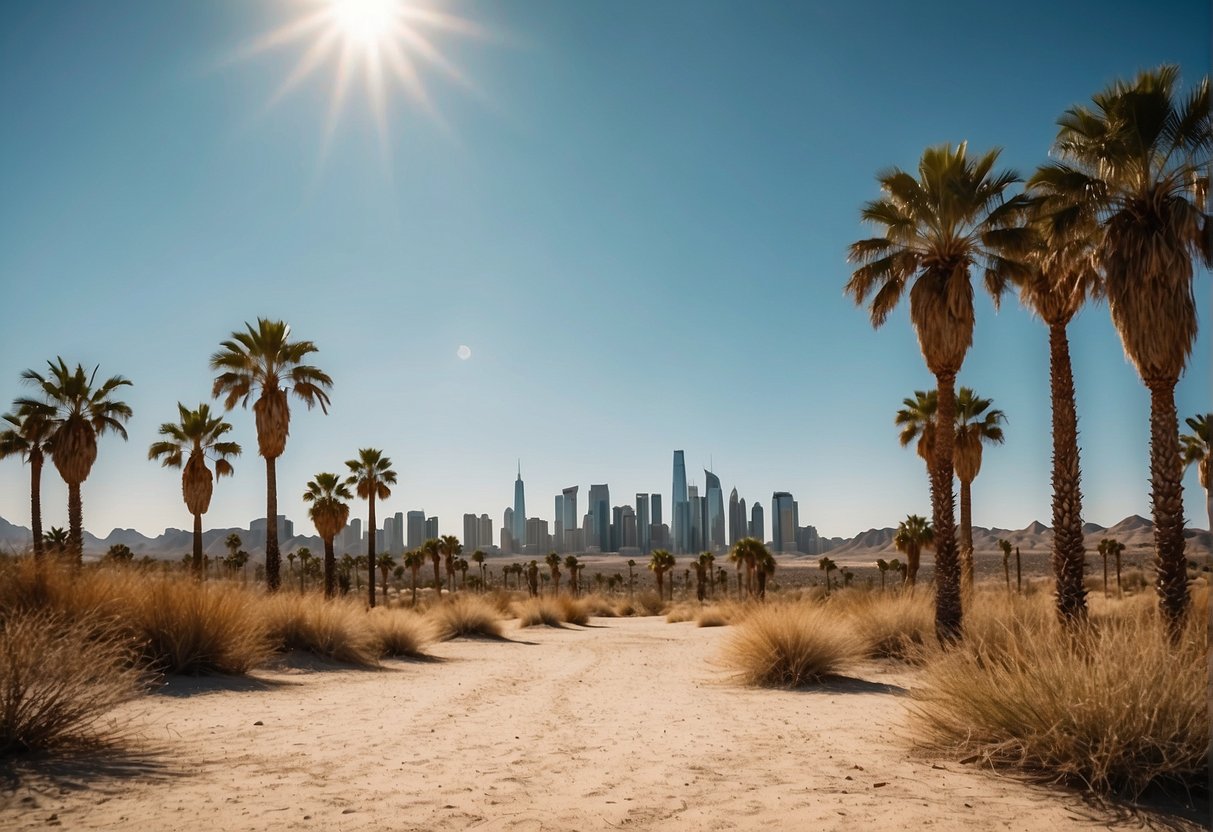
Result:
<point x="29" y="437"/>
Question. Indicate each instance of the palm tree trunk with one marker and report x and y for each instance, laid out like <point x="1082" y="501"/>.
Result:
<point x="913" y="559"/>
<point x="1167" y="495"/>
<point x="414" y="571"/>
<point x="949" y="615"/>
<point x="966" y="534"/>
<point x="273" y="560"/>
<point x="1209" y="507"/>
<point x="75" y="517"/>
<point x="197" y="560"/>
<point x="330" y="569"/>
<point x="370" y="549"/>
<point x="1069" y="554"/>
<point x="437" y="577"/>
<point x="35" y="501"/>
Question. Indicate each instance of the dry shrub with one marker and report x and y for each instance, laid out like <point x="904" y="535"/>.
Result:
<point x="503" y="600"/>
<point x="573" y="611"/>
<point x="649" y="603"/>
<point x="464" y="615"/>
<point x="190" y="627"/>
<point x="790" y="646"/>
<point x="717" y="615"/>
<point x="895" y="627"/>
<point x="398" y="632"/>
<point x="334" y="629"/>
<point x="1115" y="706"/>
<point x="536" y="612"/>
<point x="625" y="608"/>
<point x="599" y="607"/>
<point x="59" y="677"/>
<point x="681" y="612"/>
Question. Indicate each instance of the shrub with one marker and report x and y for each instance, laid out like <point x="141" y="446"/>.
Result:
<point x="573" y="611"/>
<point x="896" y="627"/>
<point x="681" y="612"/>
<point x="59" y="676"/>
<point x="464" y="615"/>
<point x="790" y="646"/>
<point x="1115" y="707"/>
<point x="398" y="633"/>
<point x="335" y="629"/>
<point x="625" y="609"/>
<point x="599" y="607"/>
<point x="713" y="616"/>
<point x="535" y="612"/>
<point x="649" y="603"/>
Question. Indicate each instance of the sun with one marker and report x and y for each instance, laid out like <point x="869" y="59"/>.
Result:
<point x="386" y="43"/>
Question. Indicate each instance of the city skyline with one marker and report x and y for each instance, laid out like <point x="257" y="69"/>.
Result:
<point x="616" y="245"/>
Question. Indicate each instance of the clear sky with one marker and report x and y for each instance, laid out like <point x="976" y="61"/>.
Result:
<point x="634" y="214"/>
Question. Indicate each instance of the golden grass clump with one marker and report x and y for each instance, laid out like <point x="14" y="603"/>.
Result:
<point x="717" y="615"/>
<point x="573" y="610"/>
<point x="790" y="646"/>
<point x="504" y="600"/>
<point x="681" y="612"/>
<point x="336" y="630"/>
<point x="59" y="677"/>
<point x="1116" y="707"/>
<point x="398" y="633"/>
<point x="649" y="603"/>
<point x="896" y="627"/>
<point x="625" y="608"/>
<point x="194" y="628"/>
<point x="464" y="615"/>
<point x="538" y="612"/>
<point x="599" y="607"/>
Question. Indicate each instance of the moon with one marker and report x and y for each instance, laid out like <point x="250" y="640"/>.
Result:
<point x="464" y="352"/>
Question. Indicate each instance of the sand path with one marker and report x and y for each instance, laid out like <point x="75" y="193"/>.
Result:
<point x="625" y="725"/>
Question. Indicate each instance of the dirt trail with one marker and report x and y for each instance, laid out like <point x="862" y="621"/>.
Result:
<point x="627" y="724"/>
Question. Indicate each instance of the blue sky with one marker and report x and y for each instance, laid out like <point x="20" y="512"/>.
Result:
<point x="635" y="215"/>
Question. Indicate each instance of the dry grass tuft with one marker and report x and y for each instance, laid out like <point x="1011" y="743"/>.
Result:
<point x="599" y="607"/>
<point x="717" y="615"/>
<point x="464" y="615"/>
<point x="59" y="677"/>
<point x="1117" y="707"/>
<point x="573" y="610"/>
<point x="538" y="612"/>
<point x="398" y="633"/>
<point x="504" y="600"/>
<point x="336" y="630"/>
<point x="649" y="603"/>
<point x="682" y="612"/>
<point x="195" y="628"/>
<point x="789" y="646"/>
<point x="896" y="627"/>
<point x="625" y="608"/>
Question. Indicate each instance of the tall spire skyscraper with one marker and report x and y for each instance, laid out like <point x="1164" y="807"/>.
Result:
<point x="680" y="508"/>
<point x="519" y="530"/>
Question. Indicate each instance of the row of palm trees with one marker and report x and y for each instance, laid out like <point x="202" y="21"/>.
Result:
<point x="1121" y="214"/>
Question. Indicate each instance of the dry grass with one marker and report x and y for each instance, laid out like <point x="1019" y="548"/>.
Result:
<point x="599" y="607"/>
<point x="1117" y="708"/>
<point x="538" y="612"/>
<point x="464" y="615"/>
<point x="59" y="677"/>
<point x="398" y="633"/>
<point x="790" y="646"/>
<point x="894" y="627"/>
<point x="649" y="603"/>
<point x="682" y="612"/>
<point x="194" y="628"/>
<point x="717" y="615"/>
<point x="573" y="610"/>
<point x="337" y="630"/>
<point x="625" y="608"/>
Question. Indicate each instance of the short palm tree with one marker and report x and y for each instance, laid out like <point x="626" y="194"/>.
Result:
<point x="451" y="549"/>
<point x="976" y="425"/>
<point x="913" y="535"/>
<point x="77" y="412"/>
<point x="232" y="543"/>
<point x="386" y="564"/>
<point x="372" y="477"/>
<point x="747" y="551"/>
<point x="29" y="437"/>
<point x="631" y="577"/>
<point x="1005" y="545"/>
<point x="936" y="229"/>
<point x="413" y="561"/>
<point x="1112" y="547"/>
<point x="329" y="511"/>
<point x="305" y="560"/>
<point x="661" y="561"/>
<point x="56" y="540"/>
<point x="119" y="553"/>
<point x="827" y="565"/>
<point x="553" y="562"/>
<point x="571" y="564"/>
<point x="432" y="549"/>
<point x="1198" y="450"/>
<point x="262" y="363"/>
<point x="765" y="568"/>
<point x="883" y="566"/>
<point x="188" y="444"/>
<point x="1139" y="157"/>
<point x="478" y="558"/>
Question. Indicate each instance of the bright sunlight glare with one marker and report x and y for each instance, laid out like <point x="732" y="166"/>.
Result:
<point x="366" y="21"/>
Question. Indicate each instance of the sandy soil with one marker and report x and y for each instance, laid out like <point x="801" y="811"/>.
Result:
<point x="627" y="724"/>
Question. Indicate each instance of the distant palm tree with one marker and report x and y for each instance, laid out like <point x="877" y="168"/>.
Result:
<point x="571" y="564"/>
<point x="371" y="476"/>
<point x="1198" y="449"/>
<point x="119" y="553"/>
<point x="1111" y="547"/>
<point x="414" y="561"/>
<point x="703" y="568"/>
<point x="936" y="230"/>
<point x="913" y="535"/>
<point x="262" y="362"/>
<point x="884" y="566"/>
<point x="532" y="578"/>
<point x="710" y="560"/>
<point x="462" y="566"/>
<point x="897" y="566"/>
<point x="56" y="540"/>
<point x="747" y="551"/>
<point x="661" y="561"/>
<point x="826" y="565"/>
<point x="1140" y="158"/>
<point x="553" y="562"/>
<point x="386" y="564"/>
<point x="77" y="413"/>
<point x="305" y="560"/>
<point x="432" y="548"/>
<point x="1005" y="545"/>
<point x="290" y="557"/>
<point x="765" y="568"/>
<point x="917" y="422"/>
<point x="478" y="558"/>
<point x="329" y="512"/>
<point x="631" y="577"/>
<point x="30" y="438"/>
<point x="451" y="549"/>
<point x="232" y="543"/>
<point x="188" y="443"/>
<point x="976" y="425"/>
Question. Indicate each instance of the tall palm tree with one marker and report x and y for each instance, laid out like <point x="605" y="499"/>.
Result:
<point x="29" y="437"/>
<point x="1139" y="156"/>
<point x="661" y="561"/>
<point x="451" y="549"/>
<point x="329" y="513"/>
<point x="976" y="425"/>
<point x="913" y="535"/>
<point x="936" y="231"/>
<point x="1198" y="450"/>
<point x="432" y="549"/>
<point x="77" y="412"/>
<point x="188" y="443"/>
<point x="263" y="363"/>
<point x="1059" y="275"/>
<point x="371" y="476"/>
<point x="553" y="562"/>
<point x="917" y="422"/>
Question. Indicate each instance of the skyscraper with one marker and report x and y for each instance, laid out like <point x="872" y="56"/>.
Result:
<point x="558" y="525"/>
<point x="485" y="532"/>
<point x="416" y="529"/>
<point x="784" y="521"/>
<point x="694" y="526"/>
<point x="471" y="532"/>
<point x="571" y="520"/>
<point x="758" y="524"/>
<point x="431" y="527"/>
<point x="714" y="532"/>
<point x="508" y="544"/>
<point x="680" y="507"/>
<point x="519" y="510"/>
<point x="644" y="529"/>
<point x="655" y="504"/>
<point x="396" y="544"/>
<point x="737" y="520"/>
<point x="600" y="513"/>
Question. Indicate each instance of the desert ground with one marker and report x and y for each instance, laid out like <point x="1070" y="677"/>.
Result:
<point x="624" y="724"/>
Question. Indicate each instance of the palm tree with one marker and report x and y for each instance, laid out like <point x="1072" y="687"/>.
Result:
<point x="532" y="578"/>
<point x="631" y="577"/>
<point x="571" y="564"/>
<point x="917" y="422"/>
<point x="553" y="562"/>
<point x="895" y="565"/>
<point x="433" y="549"/>
<point x="119" y="553"/>
<point x="478" y="559"/>
<point x="1198" y="449"/>
<point x="77" y="413"/>
<point x="305" y="560"/>
<point x="1005" y="545"/>
<point x="414" y="561"/>
<point x="188" y="443"/>
<point x="386" y="563"/>
<point x="1139" y="157"/>
<point x="976" y="425"/>
<point x="329" y="513"/>
<point x="747" y="551"/>
<point x="462" y="565"/>
<point x="936" y="231"/>
<point x="826" y="565"/>
<point x="29" y="437"/>
<point x="233" y="543"/>
<point x="883" y="566"/>
<point x="1059" y="277"/>
<point x="703" y="569"/>
<point x="766" y="568"/>
<point x="913" y="535"/>
<point x="451" y="548"/>
<point x="56" y="540"/>
<point x="661" y="561"/>
<point x="372" y="476"/>
<point x="262" y="362"/>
